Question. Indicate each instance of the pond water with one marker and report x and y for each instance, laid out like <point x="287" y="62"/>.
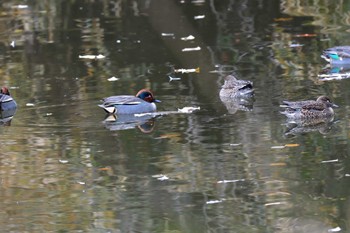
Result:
<point x="222" y="168"/>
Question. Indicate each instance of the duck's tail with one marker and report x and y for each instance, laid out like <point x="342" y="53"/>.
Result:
<point x="109" y="110"/>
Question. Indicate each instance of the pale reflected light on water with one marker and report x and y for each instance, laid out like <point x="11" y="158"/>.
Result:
<point x="64" y="167"/>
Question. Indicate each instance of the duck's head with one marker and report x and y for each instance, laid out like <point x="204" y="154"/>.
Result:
<point x="5" y="91"/>
<point x="230" y="82"/>
<point x="327" y="101"/>
<point x="147" y="95"/>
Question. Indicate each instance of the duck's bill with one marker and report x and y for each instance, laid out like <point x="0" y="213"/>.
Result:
<point x="157" y="101"/>
<point x="335" y="106"/>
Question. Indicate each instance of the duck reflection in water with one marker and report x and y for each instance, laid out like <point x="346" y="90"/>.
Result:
<point x="8" y="107"/>
<point x="237" y="94"/>
<point x="145" y="123"/>
<point x="335" y="72"/>
<point x="323" y="126"/>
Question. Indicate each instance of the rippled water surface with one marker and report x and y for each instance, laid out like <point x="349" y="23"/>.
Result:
<point x="226" y="167"/>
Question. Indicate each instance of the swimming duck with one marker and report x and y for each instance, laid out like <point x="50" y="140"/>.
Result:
<point x="234" y="88"/>
<point x="338" y="55"/>
<point x="6" y="101"/>
<point x="309" y="109"/>
<point x="127" y="104"/>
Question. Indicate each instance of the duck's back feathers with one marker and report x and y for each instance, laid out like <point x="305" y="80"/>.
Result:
<point x="121" y="99"/>
<point x="233" y="87"/>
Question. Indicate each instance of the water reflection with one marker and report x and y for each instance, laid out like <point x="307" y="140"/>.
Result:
<point x="323" y="126"/>
<point x="145" y="123"/>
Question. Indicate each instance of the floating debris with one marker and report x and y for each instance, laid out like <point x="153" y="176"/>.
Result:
<point x="168" y="34"/>
<point x="104" y="168"/>
<point x="292" y="145"/>
<point x="100" y="56"/>
<point x="169" y="135"/>
<point x="81" y="182"/>
<point x="277" y="164"/>
<point x="214" y="201"/>
<point x="161" y="113"/>
<point x="282" y="19"/>
<point x="13" y="44"/>
<point x="336" y="229"/>
<point x="330" y="161"/>
<point x="188" y="109"/>
<point x="173" y="78"/>
<point x="296" y="45"/>
<point x="275" y="203"/>
<point x="229" y="181"/>
<point x="30" y="104"/>
<point x="190" y="37"/>
<point x="196" y="70"/>
<point x="286" y="145"/>
<point x="112" y="79"/>
<point x="20" y="6"/>
<point x="277" y="147"/>
<point x="199" y="17"/>
<point x="191" y="49"/>
<point x="63" y="161"/>
<point x="161" y="177"/>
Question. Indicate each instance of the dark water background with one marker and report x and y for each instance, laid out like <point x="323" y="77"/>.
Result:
<point x="64" y="169"/>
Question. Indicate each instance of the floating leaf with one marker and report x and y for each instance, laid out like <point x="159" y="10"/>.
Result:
<point x="277" y="147"/>
<point x="112" y="79"/>
<point x="104" y="168"/>
<point x="274" y="203"/>
<point x="188" y="109"/>
<point x="168" y="34"/>
<point x="191" y="49"/>
<point x="173" y="78"/>
<point x="330" y="161"/>
<point x="229" y="181"/>
<point x="170" y="135"/>
<point x="214" y="202"/>
<point x="283" y="19"/>
<point x="336" y="229"/>
<point x="100" y="56"/>
<point x="292" y="145"/>
<point x="196" y="70"/>
<point x="161" y="177"/>
<point x="199" y="17"/>
<point x="190" y="37"/>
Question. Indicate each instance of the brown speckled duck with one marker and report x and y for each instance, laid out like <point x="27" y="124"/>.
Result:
<point x="309" y="109"/>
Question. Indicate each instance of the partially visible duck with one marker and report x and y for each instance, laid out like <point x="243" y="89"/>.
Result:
<point x="143" y="102"/>
<point x="6" y="101"/>
<point x="237" y="94"/>
<point x="309" y="109"/>
<point x="338" y="55"/>
<point x="234" y="88"/>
